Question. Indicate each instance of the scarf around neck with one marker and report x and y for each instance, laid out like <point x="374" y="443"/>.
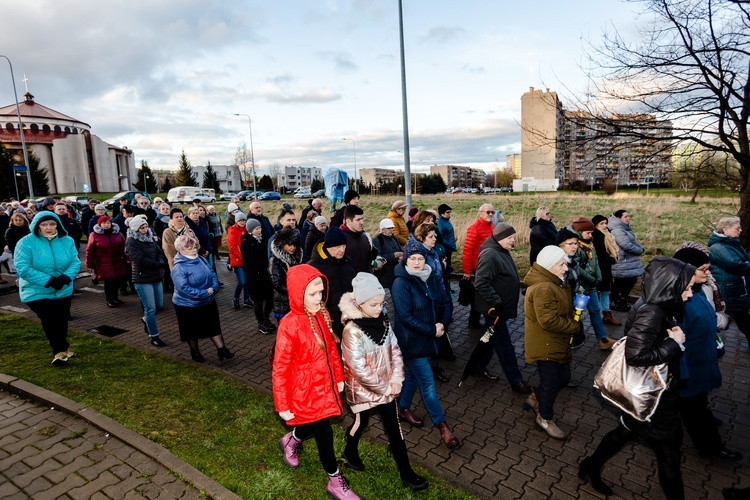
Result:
<point x="375" y="328"/>
<point x="423" y="274"/>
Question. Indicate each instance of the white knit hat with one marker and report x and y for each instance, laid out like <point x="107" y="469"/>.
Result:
<point x="319" y="220"/>
<point x="232" y="207"/>
<point x="549" y="256"/>
<point x="366" y="286"/>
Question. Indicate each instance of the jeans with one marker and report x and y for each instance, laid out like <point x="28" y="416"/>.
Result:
<point x="53" y="313"/>
<point x="595" y="314"/>
<point x="241" y="283"/>
<point x="152" y="299"/>
<point x="604" y="300"/>
<point x="419" y="374"/>
<point x="553" y="376"/>
<point x="503" y="346"/>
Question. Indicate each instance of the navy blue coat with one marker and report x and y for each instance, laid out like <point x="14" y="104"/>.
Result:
<point x="418" y="306"/>
<point x="699" y="365"/>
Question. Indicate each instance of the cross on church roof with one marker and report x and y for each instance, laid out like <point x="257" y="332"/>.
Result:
<point x="26" y="82"/>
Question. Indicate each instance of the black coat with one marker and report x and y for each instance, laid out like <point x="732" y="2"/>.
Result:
<point x="314" y="236"/>
<point x="496" y="281"/>
<point x="146" y="258"/>
<point x="658" y="309"/>
<point x="14" y="234"/>
<point x="543" y="233"/>
<point x="340" y="273"/>
<point x="255" y="261"/>
<point x="4" y="223"/>
<point x="605" y="262"/>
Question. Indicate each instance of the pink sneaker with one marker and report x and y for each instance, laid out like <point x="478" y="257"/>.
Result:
<point x="291" y="446"/>
<point x="338" y="488"/>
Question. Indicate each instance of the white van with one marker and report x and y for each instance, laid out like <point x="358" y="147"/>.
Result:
<point x="186" y="194"/>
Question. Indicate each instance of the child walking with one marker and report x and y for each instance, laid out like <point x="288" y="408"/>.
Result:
<point x="374" y="372"/>
<point x="307" y="375"/>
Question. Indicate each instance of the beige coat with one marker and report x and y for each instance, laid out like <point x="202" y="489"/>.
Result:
<point x="167" y="241"/>
<point x="401" y="231"/>
<point x="371" y="371"/>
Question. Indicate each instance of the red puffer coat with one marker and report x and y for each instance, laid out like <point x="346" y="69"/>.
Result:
<point x="305" y="375"/>
<point x="105" y="252"/>
<point x="476" y="234"/>
<point x="234" y="238"/>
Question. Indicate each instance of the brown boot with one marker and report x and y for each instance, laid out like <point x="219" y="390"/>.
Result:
<point x="609" y="319"/>
<point x="449" y="439"/>
<point x="606" y="343"/>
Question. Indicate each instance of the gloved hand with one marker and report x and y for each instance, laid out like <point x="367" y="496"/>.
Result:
<point x="54" y="283"/>
<point x="341" y="386"/>
<point x="286" y="415"/>
<point x="65" y="279"/>
<point x="597" y="283"/>
<point x="50" y="282"/>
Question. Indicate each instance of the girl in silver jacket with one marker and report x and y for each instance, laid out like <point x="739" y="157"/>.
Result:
<point x="374" y="373"/>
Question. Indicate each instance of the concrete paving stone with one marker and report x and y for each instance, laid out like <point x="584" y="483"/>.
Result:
<point x="35" y="471"/>
<point x="37" y="486"/>
<point x="99" y="496"/>
<point x="74" y="452"/>
<point x="10" y="429"/>
<point x="93" y="471"/>
<point x="120" y="488"/>
<point x="43" y="456"/>
<point x="516" y="480"/>
<point x="8" y="490"/>
<point x="123" y="471"/>
<point x="59" y="475"/>
<point x="103" y="480"/>
<point x="15" y="461"/>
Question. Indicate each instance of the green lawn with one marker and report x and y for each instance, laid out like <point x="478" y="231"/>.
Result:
<point x="220" y="426"/>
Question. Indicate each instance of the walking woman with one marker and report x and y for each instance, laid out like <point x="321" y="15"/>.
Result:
<point x="286" y="253"/>
<point x="147" y="260"/>
<point x="105" y="258"/>
<point x="628" y="268"/>
<point x="653" y="338"/>
<point x="607" y="252"/>
<point x="194" y="299"/>
<point x="548" y="330"/>
<point x="258" y="277"/>
<point x="308" y="377"/>
<point x="235" y="233"/>
<point x="731" y="268"/>
<point x="420" y="315"/>
<point x="47" y="263"/>
<point x="18" y="228"/>
<point x="374" y="372"/>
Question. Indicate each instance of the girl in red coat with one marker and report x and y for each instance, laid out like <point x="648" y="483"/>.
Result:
<point x="307" y="375"/>
<point x="236" y="262"/>
<point x="105" y="258"/>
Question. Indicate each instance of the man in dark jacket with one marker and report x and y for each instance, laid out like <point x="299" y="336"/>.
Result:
<point x="314" y="204"/>
<point x="497" y="285"/>
<point x="256" y="212"/>
<point x="70" y="225"/>
<point x="358" y="244"/>
<point x="351" y="197"/>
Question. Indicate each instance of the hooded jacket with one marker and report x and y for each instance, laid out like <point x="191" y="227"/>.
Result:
<point x="234" y="238"/>
<point x="629" y="263"/>
<point x="281" y="263"/>
<point x="192" y="278"/>
<point x="256" y="268"/>
<point x="105" y="252"/>
<point x="543" y="233"/>
<point x="146" y="257"/>
<point x="497" y="282"/>
<point x="314" y="236"/>
<point x="659" y="308"/>
<point x="305" y="375"/>
<point x="476" y="235"/>
<point x="730" y="265"/>
<point x="400" y="231"/>
<point x="38" y="260"/>
<point x="340" y="273"/>
<point x="549" y="324"/>
<point x="447" y="233"/>
<point x="369" y="368"/>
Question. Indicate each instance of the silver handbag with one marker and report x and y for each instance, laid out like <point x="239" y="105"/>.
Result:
<point x="636" y="390"/>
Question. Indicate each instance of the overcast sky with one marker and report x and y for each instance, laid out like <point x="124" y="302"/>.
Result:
<point x="161" y="76"/>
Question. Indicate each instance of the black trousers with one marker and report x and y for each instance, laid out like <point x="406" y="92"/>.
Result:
<point x="621" y="288"/>
<point x="389" y="416"/>
<point x="262" y="309"/>
<point x="742" y="318"/>
<point x="323" y="434"/>
<point x="553" y="376"/>
<point x="111" y="288"/>
<point x="700" y="424"/>
<point x="53" y="314"/>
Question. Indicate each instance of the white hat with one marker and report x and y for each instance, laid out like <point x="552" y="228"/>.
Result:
<point x="157" y="199"/>
<point x="549" y="256"/>
<point x="366" y="286"/>
<point x="232" y="207"/>
<point x="386" y="223"/>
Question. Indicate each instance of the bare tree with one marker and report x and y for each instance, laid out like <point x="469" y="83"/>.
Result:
<point x="690" y="67"/>
<point x="243" y="160"/>
<point x="275" y="171"/>
<point x="696" y="168"/>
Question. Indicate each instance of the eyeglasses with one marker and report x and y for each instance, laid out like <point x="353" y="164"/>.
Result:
<point x="704" y="270"/>
<point x="189" y="245"/>
<point x="490" y="212"/>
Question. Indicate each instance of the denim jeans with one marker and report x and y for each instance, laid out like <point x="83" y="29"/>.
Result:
<point x="419" y="374"/>
<point x="595" y="314"/>
<point x="553" y="376"/>
<point x="241" y="283"/>
<point x="152" y="299"/>
<point x="604" y="300"/>
<point x="503" y="346"/>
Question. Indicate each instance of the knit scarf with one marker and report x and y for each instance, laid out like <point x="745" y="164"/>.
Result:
<point x="375" y="328"/>
<point x="423" y="274"/>
<point x="587" y="247"/>
<point x="609" y="243"/>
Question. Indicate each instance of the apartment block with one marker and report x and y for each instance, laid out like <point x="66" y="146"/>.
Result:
<point x="459" y="176"/>
<point x="294" y="177"/>
<point x="228" y="176"/>
<point x="514" y="163"/>
<point x="374" y="176"/>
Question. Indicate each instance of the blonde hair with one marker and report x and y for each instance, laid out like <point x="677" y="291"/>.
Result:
<point x="541" y="212"/>
<point x="193" y="209"/>
<point x="19" y="216"/>
<point x="182" y="241"/>
<point x="726" y="222"/>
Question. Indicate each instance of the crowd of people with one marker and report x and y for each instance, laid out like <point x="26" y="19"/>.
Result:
<point x="325" y="284"/>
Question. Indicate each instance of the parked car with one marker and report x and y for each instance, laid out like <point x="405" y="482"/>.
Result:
<point x="270" y="195"/>
<point x="303" y="194"/>
<point x="78" y="201"/>
<point x="506" y="189"/>
<point x="319" y="193"/>
<point x="186" y="194"/>
<point x="110" y="203"/>
<point x="204" y="198"/>
<point x="227" y="196"/>
<point x="248" y="194"/>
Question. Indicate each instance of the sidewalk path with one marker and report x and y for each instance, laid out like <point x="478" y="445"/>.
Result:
<point x="503" y="454"/>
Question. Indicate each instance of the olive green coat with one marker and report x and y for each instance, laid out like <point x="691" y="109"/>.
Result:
<point x="549" y="323"/>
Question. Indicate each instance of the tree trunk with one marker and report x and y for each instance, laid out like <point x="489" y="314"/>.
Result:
<point x="695" y="194"/>
<point x="744" y="215"/>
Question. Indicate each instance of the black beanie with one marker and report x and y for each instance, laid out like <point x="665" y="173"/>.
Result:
<point x="334" y="237"/>
<point x="350" y="195"/>
<point x="564" y="234"/>
<point x="443" y="208"/>
<point x="692" y="256"/>
<point x="597" y="219"/>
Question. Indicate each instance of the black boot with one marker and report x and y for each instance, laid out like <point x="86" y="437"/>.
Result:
<point x="197" y="356"/>
<point x="589" y="470"/>
<point x="411" y="479"/>
<point x="224" y="353"/>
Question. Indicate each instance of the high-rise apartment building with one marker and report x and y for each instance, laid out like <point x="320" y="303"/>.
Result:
<point x="377" y="176"/>
<point x="513" y="163"/>
<point x="459" y="176"/>
<point x="541" y="121"/>
<point x="294" y="177"/>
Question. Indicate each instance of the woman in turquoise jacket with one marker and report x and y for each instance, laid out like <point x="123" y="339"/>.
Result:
<point x="47" y="263"/>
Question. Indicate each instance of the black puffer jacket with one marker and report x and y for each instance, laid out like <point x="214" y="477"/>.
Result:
<point x="14" y="234"/>
<point x="497" y="282"/>
<point x="543" y="233"/>
<point x="255" y="261"/>
<point x="146" y="257"/>
<point x="658" y="309"/>
<point x="281" y="261"/>
<point x="340" y="273"/>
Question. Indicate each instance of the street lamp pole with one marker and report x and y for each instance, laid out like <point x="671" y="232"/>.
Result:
<point x="354" y="144"/>
<point x="20" y="128"/>
<point x="252" y="154"/>
<point x="407" y="160"/>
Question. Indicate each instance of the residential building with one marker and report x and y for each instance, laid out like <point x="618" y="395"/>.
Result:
<point x="513" y="163"/>
<point x="65" y="146"/>
<point x="378" y="176"/>
<point x="541" y="121"/>
<point x="228" y="176"/>
<point x="291" y="178"/>
<point x="459" y="176"/>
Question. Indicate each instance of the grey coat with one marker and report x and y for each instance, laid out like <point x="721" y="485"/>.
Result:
<point x="629" y="264"/>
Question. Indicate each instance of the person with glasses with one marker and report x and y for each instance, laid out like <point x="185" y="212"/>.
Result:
<point x="699" y="366"/>
<point x="568" y="241"/>
<point x="374" y="373"/>
<point x="144" y="207"/>
<point x="731" y="267"/>
<point x="476" y="234"/>
<point x="543" y="232"/>
<point x="396" y="214"/>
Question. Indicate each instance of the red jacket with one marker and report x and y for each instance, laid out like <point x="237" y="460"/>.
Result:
<point x="477" y="234"/>
<point x="105" y="252"/>
<point x="305" y="376"/>
<point x="234" y="237"/>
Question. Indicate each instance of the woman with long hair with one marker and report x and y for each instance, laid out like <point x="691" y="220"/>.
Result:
<point x="257" y="274"/>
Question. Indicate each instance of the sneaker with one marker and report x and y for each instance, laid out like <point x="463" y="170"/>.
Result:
<point x="550" y="427"/>
<point x="606" y="343"/>
<point x="249" y="303"/>
<point x="263" y="329"/>
<point x="70" y="354"/>
<point x="291" y="446"/>
<point x="270" y="326"/>
<point x="338" y="488"/>
<point x="60" y="359"/>
<point x="157" y="342"/>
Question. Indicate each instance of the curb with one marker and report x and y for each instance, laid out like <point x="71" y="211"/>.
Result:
<point x="199" y="480"/>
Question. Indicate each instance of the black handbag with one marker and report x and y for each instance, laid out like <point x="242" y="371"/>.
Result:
<point x="465" y="292"/>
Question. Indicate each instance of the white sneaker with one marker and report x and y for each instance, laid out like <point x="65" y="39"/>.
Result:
<point x="60" y="358"/>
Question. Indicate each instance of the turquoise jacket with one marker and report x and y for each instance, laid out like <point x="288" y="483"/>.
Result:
<point x="38" y="259"/>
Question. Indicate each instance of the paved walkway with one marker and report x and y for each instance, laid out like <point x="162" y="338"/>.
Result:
<point x="503" y="454"/>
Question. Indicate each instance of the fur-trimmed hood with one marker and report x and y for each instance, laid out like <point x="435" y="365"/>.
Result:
<point x="277" y="250"/>
<point x="139" y="236"/>
<point x="348" y="308"/>
<point x="115" y="229"/>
